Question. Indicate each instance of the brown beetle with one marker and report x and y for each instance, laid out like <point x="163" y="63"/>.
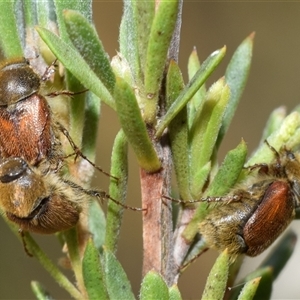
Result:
<point x="41" y="203"/>
<point x="252" y="216"/>
<point x="258" y="211"/>
<point x="26" y="128"/>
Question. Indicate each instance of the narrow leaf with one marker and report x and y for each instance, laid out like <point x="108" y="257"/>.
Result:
<point x="154" y="287"/>
<point x="178" y="132"/>
<point x="134" y="126"/>
<point x="197" y="101"/>
<point x="236" y="76"/>
<point x="193" y="86"/>
<point x="129" y="47"/>
<point x="285" y="135"/>
<point x="118" y="285"/>
<point x="93" y="274"/>
<point x="122" y="69"/>
<point x="264" y="289"/>
<point x="198" y="247"/>
<point x="39" y="291"/>
<point x="10" y="41"/>
<point x="72" y="81"/>
<point x="229" y="171"/>
<point x="159" y="41"/>
<point x="274" y="122"/>
<point x="217" y="279"/>
<point x="85" y="39"/>
<point x="144" y="11"/>
<point x="199" y="180"/>
<point x="45" y="13"/>
<point x="30" y="14"/>
<point x="174" y="293"/>
<point x="84" y="7"/>
<point x="249" y="289"/>
<point x="73" y="61"/>
<point x="207" y="123"/>
<point x="117" y="190"/>
<point x="91" y="122"/>
<point x="96" y="223"/>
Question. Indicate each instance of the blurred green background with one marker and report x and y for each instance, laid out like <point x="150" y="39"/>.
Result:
<point x="274" y="81"/>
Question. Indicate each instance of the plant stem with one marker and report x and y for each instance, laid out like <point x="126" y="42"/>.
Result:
<point x="157" y="220"/>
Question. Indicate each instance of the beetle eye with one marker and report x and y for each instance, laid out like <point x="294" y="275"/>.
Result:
<point x="290" y="155"/>
<point x="12" y="169"/>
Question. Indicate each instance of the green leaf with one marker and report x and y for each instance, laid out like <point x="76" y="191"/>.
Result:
<point x="10" y="40"/>
<point x="249" y="289"/>
<point x="192" y="87"/>
<point x="45" y="13"/>
<point x="225" y="179"/>
<point x="154" y="287"/>
<point x="197" y="101"/>
<point x="30" y="14"/>
<point x="236" y="76"/>
<point x="39" y="291"/>
<point x="118" y="285"/>
<point x="229" y="171"/>
<point x="129" y="47"/>
<point x="174" y="293"/>
<point x="144" y="11"/>
<point x="84" y="7"/>
<point x="96" y="223"/>
<point x="217" y="279"/>
<point x="161" y="32"/>
<point x="178" y="132"/>
<point x="206" y="126"/>
<point x="159" y="41"/>
<point x="234" y="270"/>
<point x="73" y="61"/>
<point x="92" y="114"/>
<point x="117" y="190"/>
<point x="76" y="108"/>
<point x="134" y="126"/>
<point x="198" y="247"/>
<point x="274" y="122"/>
<point x="85" y="39"/>
<point x="199" y="180"/>
<point x="285" y="135"/>
<point x="122" y="69"/>
<point x="264" y="289"/>
<point x="92" y="273"/>
<point x="73" y="83"/>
